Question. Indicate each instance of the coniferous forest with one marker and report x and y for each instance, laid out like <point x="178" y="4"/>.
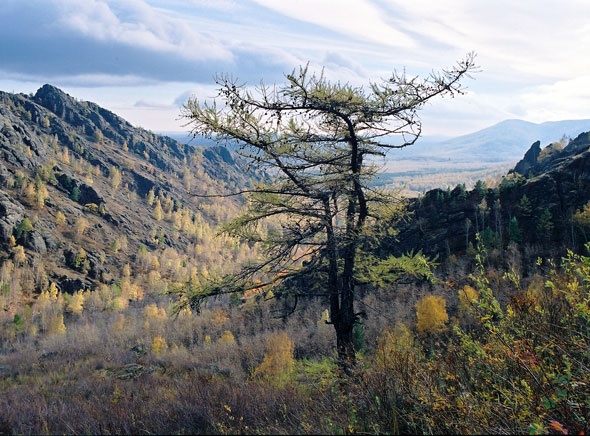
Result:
<point x="471" y="304"/>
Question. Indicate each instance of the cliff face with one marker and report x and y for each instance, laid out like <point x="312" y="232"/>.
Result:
<point x="534" y="205"/>
<point x="60" y="157"/>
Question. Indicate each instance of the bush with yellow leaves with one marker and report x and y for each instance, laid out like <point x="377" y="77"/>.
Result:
<point x="432" y="314"/>
<point x="278" y="363"/>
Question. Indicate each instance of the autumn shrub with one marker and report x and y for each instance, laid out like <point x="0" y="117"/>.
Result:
<point x="387" y="384"/>
<point x="466" y="306"/>
<point x="432" y="314"/>
<point x="159" y="344"/>
<point x="278" y="363"/>
<point x="526" y="369"/>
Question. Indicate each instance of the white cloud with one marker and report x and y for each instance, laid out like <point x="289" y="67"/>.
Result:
<point x="513" y="37"/>
<point x="564" y="99"/>
<point x="135" y="23"/>
<point x="354" y="18"/>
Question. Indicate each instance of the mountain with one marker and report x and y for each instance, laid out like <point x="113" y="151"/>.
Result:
<point x="84" y="193"/>
<point x="502" y="142"/>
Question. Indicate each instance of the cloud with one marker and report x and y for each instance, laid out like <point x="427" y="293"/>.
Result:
<point x="360" y="19"/>
<point x="532" y="41"/>
<point x="147" y="54"/>
<point x="146" y="104"/>
<point x="121" y="39"/>
<point x="563" y="99"/>
<point x="137" y="25"/>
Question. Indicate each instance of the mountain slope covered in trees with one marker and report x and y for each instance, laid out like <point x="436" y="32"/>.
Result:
<point x="86" y="192"/>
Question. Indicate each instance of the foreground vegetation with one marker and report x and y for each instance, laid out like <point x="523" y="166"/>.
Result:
<point x="489" y="351"/>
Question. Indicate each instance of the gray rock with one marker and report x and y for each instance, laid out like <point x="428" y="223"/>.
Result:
<point x="11" y="213"/>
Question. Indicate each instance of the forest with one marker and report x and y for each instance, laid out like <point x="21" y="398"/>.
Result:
<point x="111" y="238"/>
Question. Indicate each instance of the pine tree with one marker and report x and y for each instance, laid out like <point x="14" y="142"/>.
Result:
<point x="317" y="140"/>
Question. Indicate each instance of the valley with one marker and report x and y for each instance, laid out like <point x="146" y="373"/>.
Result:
<point x="104" y="227"/>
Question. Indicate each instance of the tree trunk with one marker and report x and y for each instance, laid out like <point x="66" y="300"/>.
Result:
<point x="345" y="344"/>
<point x="340" y="290"/>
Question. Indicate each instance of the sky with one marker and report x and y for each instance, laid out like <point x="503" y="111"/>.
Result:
<point x="142" y="59"/>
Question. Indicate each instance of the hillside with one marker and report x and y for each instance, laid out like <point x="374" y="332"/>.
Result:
<point x="83" y="192"/>
<point x="539" y="205"/>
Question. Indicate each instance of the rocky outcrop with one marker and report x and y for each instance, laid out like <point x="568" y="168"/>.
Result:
<point x="11" y="214"/>
<point x="530" y="159"/>
<point x="545" y="189"/>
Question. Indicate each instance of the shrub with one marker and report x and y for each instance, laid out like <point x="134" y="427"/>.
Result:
<point x="278" y="362"/>
<point x="432" y="314"/>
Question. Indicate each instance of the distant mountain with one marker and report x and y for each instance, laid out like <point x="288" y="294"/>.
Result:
<point x="485" y="154"/>
<point x="187" y="138"/>
<point x="503" y="142"/>
<point x="199" y="140"/>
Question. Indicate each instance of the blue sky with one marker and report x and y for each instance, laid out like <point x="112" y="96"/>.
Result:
<point x="142" y="58"/>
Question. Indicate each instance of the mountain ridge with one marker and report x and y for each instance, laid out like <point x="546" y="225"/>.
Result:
<point x="541" y="204"/>
<point x="64" y="161"/>
<point x="505" y="141"/>
<point x="79" y="181"/>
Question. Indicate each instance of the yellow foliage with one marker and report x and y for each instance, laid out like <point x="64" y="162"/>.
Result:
<point x="278" y="362"/>
<point x="158" y="211"/>
<point x="53" y="291"/>
<point x="119" y="304"/>
<point x="227" y="337"/>
<point x="29" y="192"/>
<point x="126" y="272"/>
<point x="75" y="303"/>
<point x="43" y="301"/>
<point x="18" y="255"/>
<point x="115" y="176"/>
<point x="393" y="343"/>
<point x="129" y="290"/>
<point x="432" y="314"/>
<point x="80" y="226"/>
<point x="60" y="218"/>
<point x="400" y="337"/>
<point x="159" y="344"/>
<point x="218" y="317"/>
<point x="56" y="324"/>
<point x="467" y="297"/>
<point x="154" y="277"/>
<point x="152" y="311"/>
<point x="135" y="292"/>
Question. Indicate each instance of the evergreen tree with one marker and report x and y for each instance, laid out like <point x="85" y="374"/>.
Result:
<point x="316" y="140"/>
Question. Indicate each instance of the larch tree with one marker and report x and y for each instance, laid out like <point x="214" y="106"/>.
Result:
<point x="318" y="142"/>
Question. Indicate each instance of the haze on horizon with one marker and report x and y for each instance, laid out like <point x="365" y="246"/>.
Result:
<point x="143" y="58"/>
